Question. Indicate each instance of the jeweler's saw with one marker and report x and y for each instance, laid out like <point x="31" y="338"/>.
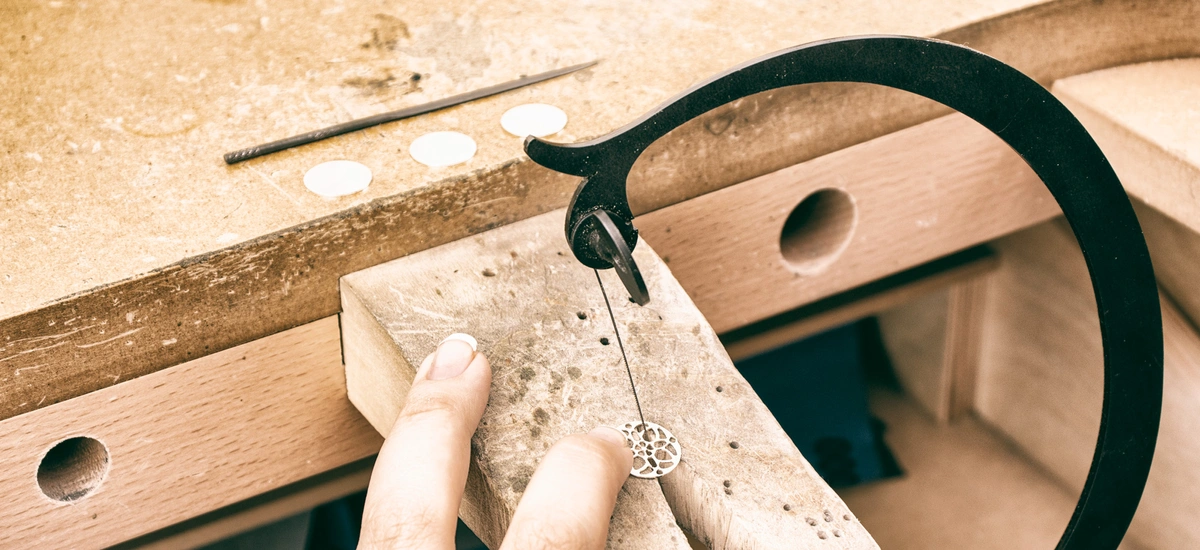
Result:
<point x="600" y="230"/>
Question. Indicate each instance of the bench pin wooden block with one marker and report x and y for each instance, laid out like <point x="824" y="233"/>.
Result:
<point x="540" y="317"/>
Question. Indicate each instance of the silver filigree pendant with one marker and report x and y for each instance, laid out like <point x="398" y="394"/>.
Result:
<point x="655" y="451"/>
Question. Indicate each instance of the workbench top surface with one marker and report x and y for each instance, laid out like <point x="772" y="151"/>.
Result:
<point x="114" y="115"/>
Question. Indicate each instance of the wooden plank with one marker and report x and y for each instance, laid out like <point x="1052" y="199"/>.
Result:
<point x="911" y="203"/>
<point x="259" y="510"/>
<point x="211" y="257"/>
<point x="964" y="486"/>
<point x="541" y="319"/>
<point x="933" y="343"/>
<point x="1041" y="380"/>
<point x="1144" y="116"/>
<point x="917" y="336"/>
<point x="187" y="440"/>
<point x="857" y="303"/>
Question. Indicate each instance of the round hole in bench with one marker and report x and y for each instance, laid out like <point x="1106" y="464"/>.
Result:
<point x="72" y="468"/>
<point x="818" y="230"/>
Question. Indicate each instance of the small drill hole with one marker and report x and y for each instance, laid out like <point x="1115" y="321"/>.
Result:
<point x="720" y="389"/>
<point x="581" y="315"/>
<point x="728" y="483"/>
<point x="787" y="507"/>
<point x="818" y="231"/>
<point x="73" y="468"/>
<point x="489" y="273"/>
<point x="604" y="341"/>
<point x="733" y="445"/>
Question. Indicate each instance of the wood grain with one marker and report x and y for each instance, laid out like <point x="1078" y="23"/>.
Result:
<point x="1041" y="380"/>
<point x="913" y="202"/>
<point x="152" y="240"/>
<point x="541" y="319"/>
<point x="187" y="440"/>
<point x="933" y="342"/>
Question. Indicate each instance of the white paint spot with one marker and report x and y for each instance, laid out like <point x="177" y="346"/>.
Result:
<point x="170" y="342"/>
<point x="227" y="238"/>
<point x="533" y="119"/>
<point x="438" y="149"/>
<point x="337" y="178"/>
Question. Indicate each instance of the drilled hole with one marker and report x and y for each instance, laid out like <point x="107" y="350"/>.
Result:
<point x="581" y="315"/>
<point x="489" y="273"/>
<point x="73" y="468"/>
<point x="818" y="230"/>
<point x="604" y="341"/>
<point x="720" y="389"/>
<point x="733" y="445"/>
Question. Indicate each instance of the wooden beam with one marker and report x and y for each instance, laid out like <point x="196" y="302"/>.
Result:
<point x="933" y="343"/>
<point x="258" y="510"/>
<point x="874" y="209"/>
<point x="541" y="319"/>
<point x="857" y="303"/>
<point x="184" y="441"/>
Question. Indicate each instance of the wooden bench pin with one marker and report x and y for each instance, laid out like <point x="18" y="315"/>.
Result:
<point x="539" y="316"/>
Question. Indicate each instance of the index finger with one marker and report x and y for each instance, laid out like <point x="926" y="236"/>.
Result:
<point x="417" y="483"/>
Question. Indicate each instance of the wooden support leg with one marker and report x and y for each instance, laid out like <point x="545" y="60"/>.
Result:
<point x="933" y="342"/>
<point x="539" y="316"/>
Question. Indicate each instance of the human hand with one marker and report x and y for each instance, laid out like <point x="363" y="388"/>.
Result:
<point x="418" y="480"/>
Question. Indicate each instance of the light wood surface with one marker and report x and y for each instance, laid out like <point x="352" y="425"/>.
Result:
<point x="1145" y="118"/>
<point x="187" y="440"/>
<point x="963" y="487"/>
<point x="258" y="511"/>
<point x="933" y="342"/>
<point x="125" y="227"/>
<point x="541" y="319"/>
<point x="912" y="203"/>
<point x="1041" y="380"/>
<point x="874" y="297"/>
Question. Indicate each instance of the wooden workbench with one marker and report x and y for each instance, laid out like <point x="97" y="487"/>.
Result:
<point x="180" y="310"/>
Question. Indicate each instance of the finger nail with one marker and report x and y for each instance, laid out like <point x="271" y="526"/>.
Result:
<point x="611" y="435"/>
<point x="452" y="357"/>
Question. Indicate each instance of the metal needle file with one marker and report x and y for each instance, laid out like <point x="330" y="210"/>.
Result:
<point x="248" y="153"/>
